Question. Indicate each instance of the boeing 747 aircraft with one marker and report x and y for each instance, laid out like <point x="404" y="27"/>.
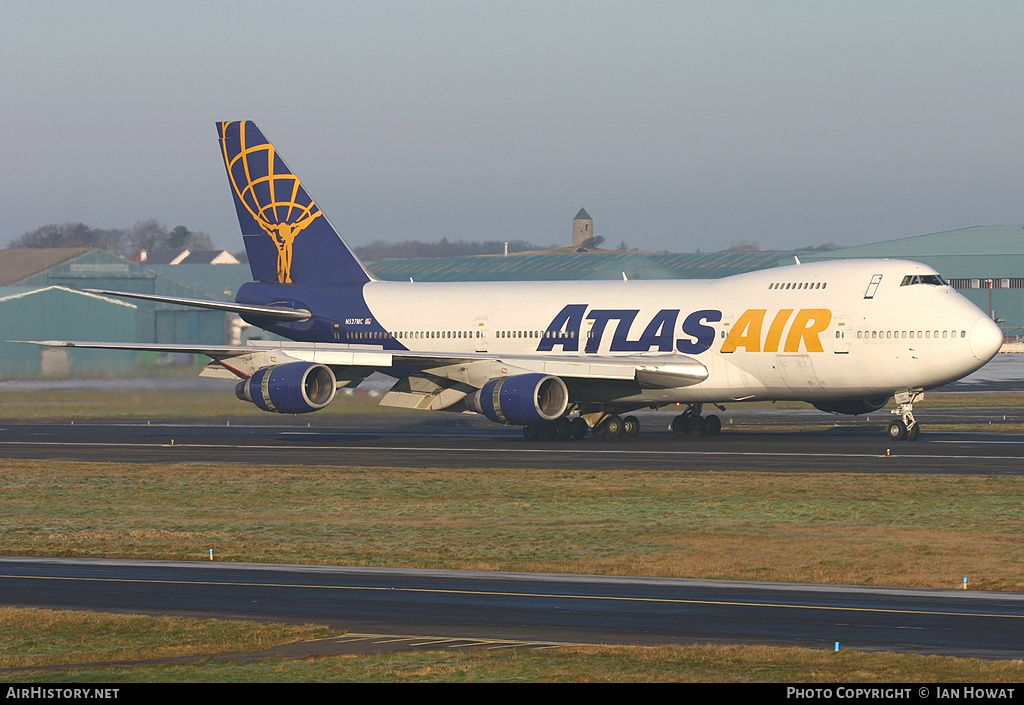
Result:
<point x="564" y="359"/>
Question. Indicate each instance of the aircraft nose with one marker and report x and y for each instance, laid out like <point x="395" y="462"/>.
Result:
<point x="986" y="338"/>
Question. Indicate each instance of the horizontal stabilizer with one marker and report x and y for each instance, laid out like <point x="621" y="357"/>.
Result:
<point x="279" y="312"/>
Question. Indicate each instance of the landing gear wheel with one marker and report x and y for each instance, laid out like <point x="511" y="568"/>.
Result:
<point x="579" y="428"/>
<point x="630" y="426"/>
<point x="898" y="430"/>
<point x="563" y="429"/>
<point x="694" y="425"/>
<point x="613" y="426"/>
<point x="531" y="432"/>
<point x="712" y="425"/>
<point x="913" y="432"/>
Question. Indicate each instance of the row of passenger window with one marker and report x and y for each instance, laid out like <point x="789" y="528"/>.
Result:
<point x="874" y="334"/>
<point x="418" y="335"/>
<point x="534" y="334"/>
<point x="503" y="334"/>
<point x="797" y="285"/>
<point x="410" y="335"/>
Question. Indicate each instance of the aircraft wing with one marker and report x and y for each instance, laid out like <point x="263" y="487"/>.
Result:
<point x="461" y="372"/>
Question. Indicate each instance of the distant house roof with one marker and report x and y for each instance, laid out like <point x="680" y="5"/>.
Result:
<point x="19" y="264"/>
<point x="149" y="257"/>
<point x="184" y="256"/>
<point x="210" y="257"/>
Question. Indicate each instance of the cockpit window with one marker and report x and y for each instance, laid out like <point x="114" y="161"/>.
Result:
<point x="930" y="279"/>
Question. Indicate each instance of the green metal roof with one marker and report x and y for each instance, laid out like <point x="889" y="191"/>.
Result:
<point x="979" y="240"/>
<point x="589" y="266"/>
<point x="983" y="251"/>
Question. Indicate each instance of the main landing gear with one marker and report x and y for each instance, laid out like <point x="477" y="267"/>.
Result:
<point x="614" y="426"/>
<point x="563" y="429"/>
<point x="609" y="425"/>
<point x="905" y="428"/>
<point x="691" y="423"/>
<point x="558" y="430"/>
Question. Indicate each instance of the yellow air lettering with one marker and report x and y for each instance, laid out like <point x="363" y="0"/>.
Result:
<point x="746" y="333"/>
<point x="807" y="327"/>
<point x="771" y="343"/>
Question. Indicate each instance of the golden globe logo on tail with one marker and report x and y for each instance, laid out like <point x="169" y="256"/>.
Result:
<point x="271" y="195"/>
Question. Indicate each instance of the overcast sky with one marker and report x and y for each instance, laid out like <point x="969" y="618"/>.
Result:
<point x="677" y="125"/>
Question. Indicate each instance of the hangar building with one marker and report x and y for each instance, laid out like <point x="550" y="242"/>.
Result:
<point x="42" y="296"/>
<point x="984" y="263"/>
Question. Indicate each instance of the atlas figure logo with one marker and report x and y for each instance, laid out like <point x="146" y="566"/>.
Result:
<point x="272" y="195"/>
<point x="803" y="333"/>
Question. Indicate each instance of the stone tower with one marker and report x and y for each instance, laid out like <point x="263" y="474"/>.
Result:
<point x="582" y="229"/>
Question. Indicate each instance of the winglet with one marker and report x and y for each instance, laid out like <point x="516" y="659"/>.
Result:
<point x="287" y="237"/>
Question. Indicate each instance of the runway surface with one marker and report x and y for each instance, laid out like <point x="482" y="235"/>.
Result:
<point x="534" y="607"/>
<point x="780" y="441"/>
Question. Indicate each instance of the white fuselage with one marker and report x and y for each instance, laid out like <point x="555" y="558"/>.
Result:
<point x="828" y="330"/>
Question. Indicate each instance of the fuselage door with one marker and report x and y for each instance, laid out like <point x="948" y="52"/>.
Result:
<point x="841" y="339"/>
<point x="480" y="334"/>
<point x="876" y="279"/>
<point x="725" y="330"/>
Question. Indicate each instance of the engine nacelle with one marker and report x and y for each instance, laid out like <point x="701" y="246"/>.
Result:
<point x="291" y="388"/>
<point x="851" y="406"/>
<point x="521" y="399"/>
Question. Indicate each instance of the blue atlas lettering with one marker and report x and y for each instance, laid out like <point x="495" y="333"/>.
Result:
<point x="565" y="331"/>
<point x="568" y="320"/>
<point x="600" y="319"/>
<point x="659" y="334"/>
<point x="703" y="335"/>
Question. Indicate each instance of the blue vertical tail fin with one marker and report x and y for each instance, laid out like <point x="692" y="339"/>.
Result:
<point x="287" y="237"/>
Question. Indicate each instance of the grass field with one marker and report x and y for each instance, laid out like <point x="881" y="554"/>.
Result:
<point x="904" y="530"/>
<point x="897" y="530"/>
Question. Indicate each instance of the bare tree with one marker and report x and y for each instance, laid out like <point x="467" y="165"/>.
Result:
<point x="70" y="235"/>
<point x="153" y="235"/>
<point x="145" y="235"/>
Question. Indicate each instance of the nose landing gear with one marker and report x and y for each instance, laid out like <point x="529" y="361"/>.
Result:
<point x="905" y="428"/>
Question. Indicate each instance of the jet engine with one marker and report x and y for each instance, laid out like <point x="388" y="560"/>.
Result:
<point x="290" y="388"/>
<point x="521" y="399"/>
<point x="851" y="406"/>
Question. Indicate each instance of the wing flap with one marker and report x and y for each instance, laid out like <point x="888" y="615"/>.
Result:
<point x="428" y="392"/>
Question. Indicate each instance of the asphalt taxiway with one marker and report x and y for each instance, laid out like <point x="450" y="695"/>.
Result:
<point x="772" y="441"/>
<point x="520" y="608"/>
